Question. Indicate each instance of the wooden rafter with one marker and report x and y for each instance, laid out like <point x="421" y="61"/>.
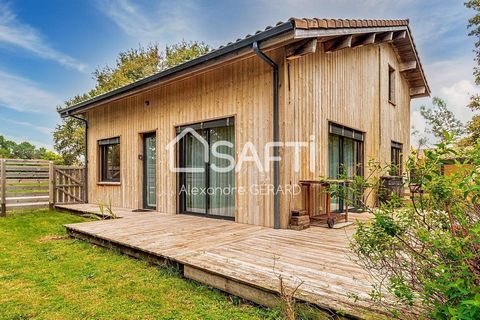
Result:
<point x="399" y="35"/>
<point x="338" y="43"/>
<point x="364" y="40"/>
<point x="418" y="91"/>
<point x="384" y="37"/>
<point x="407" y="66"/>
<point x="301" y="48"/>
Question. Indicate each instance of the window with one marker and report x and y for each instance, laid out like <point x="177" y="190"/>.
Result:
<point x="391" y="85"/>
<point x="345" y="156"/>
<point x="396" y="161"/>
<point x="109" y="160"/>
<point x="218" y="200"/>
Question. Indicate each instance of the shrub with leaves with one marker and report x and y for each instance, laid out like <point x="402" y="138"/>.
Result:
<point x="426" y="253"/>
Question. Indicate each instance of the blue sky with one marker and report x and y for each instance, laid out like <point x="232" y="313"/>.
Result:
<point x="48" y="49"/>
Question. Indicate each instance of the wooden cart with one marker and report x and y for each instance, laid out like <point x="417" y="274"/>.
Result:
<point x="328" y="217"/>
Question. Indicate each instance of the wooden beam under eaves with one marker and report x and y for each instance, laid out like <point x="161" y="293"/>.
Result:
<point x="399" y="35"/>
<point x="338" y="43"/>
<point x="384" y="37"/>
<point x="297" y="50"/>
<point x="407" y="66"/>
<point x="418" y="91"/>
<point x="363" y="40"/>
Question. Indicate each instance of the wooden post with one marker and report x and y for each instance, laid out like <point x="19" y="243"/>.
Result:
<point x="346" y="201"/>
<point x="51" y="185"/>
<point x="3" y="186"/>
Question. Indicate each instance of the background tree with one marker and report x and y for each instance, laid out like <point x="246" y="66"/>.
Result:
<point x="131" y="65"/>
<point x="183" y="51"/>
<point x="25" y="150"/>
<point x="473" y="126"/>
<point x="69" y="141"/>
<point x="440" y="120"/>
<point x="5" y="147"/>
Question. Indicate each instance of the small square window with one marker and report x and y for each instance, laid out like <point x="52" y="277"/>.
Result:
<point x="391" y="84"/>
<point x="109" y="150"/>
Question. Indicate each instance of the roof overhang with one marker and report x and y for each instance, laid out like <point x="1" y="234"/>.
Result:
<point x="338" y="34"/>
<point x="353" y="33"/>
<point x="242" y="48"/>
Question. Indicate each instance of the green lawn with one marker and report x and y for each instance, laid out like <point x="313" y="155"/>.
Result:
<point x="45" y="275"/>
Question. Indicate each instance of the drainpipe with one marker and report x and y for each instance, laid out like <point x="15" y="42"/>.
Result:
<point x="85" y="122"/>
<point x="276" y="134"/>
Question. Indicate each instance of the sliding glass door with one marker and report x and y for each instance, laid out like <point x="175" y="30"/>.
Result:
<point x="345" y="157"/>
<point x="193" y="182"/>
<point x="222" y="200"/>
<point x="204" y="189"/>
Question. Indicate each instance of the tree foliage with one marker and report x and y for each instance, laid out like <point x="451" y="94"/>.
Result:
<point x="473" y="126"/>
<point x="441" y="120"/>
<point x="183" y="51"/>
<point x="424" y="253"/>
<point x="69" y="140"/>
<point x="130" y="66"/>
<point x="25" y="150"/>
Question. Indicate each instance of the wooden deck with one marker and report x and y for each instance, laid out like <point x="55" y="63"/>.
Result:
<point x="242" y="259"/>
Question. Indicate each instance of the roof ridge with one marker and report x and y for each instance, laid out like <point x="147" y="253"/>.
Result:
<point x="323" y="23"/>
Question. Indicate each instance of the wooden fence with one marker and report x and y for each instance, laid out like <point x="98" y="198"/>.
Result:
<point x="26" y="184"/>
<point x="68" y="185"/>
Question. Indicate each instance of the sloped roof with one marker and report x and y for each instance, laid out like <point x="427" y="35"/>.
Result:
<point x="294" y="29"/>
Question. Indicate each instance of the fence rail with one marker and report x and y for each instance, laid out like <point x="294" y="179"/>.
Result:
<point x="38" y="183"/>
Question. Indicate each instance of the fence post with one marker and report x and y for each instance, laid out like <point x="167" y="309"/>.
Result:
<point x="3" y="186"/>
<point x="51" y="185"/>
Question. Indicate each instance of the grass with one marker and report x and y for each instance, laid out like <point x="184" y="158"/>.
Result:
<point x="46" y="275"/>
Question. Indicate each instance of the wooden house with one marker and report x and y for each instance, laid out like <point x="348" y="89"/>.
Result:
<point x="343" y="86"/>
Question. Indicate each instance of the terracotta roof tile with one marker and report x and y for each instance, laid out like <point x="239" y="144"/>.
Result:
<point x="316" y="23"/>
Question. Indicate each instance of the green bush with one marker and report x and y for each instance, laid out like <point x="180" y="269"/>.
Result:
<point x="426" y="253"/>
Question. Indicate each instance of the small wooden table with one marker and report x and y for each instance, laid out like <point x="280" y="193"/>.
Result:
<point x="327" y="217"/>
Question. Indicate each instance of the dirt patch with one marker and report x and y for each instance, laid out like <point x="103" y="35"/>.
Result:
<point x="52" y="238"/>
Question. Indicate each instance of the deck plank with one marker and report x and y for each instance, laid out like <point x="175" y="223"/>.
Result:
<point x="252" y="255"/>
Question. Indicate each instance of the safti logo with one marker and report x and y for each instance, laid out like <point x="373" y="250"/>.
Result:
<point x="249" y="153"/>
<point x="171" y="151"/>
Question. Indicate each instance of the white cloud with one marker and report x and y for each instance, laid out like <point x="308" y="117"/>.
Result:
<point x="26" y="37"/>
<point x="24" y="95"/>
<point x="165" y="21"/>
<point x="458" y="96"/>
<point x="451" y="80"/>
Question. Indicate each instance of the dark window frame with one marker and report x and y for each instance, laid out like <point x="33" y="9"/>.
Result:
<point x="358" y="137"/>
<point x="396" y="159"/>
<point x="392" y="85"/>
<point x="104" y="148"/>
<point x="145" y="169"/>
<point x="181" y="176"/>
